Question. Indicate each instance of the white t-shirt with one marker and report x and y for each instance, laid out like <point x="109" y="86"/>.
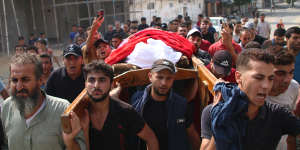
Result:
<point x="287" y="99"/>
<point x="263" y="29"/>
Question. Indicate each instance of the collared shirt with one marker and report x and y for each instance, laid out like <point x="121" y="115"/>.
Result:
<point x="44" y="130"/>
<point x="61" y="85"/>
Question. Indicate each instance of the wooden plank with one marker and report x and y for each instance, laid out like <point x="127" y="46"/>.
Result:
<point x="204" y="74"/>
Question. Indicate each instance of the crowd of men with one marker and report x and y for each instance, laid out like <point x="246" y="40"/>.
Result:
<point x="256" y="103"/>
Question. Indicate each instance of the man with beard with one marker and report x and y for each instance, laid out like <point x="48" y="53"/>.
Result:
<point x="30" y="117"/>
<point x="285" y="89"/>
<point x="240" y="113"/>
<point x="107" y="121"/>
<point x="68" y="81"/>
<point x="167" y="113"/>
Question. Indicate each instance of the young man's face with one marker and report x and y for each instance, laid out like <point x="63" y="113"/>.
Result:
<point x="282" y="79"/>
<point x="103" y="51"/>
<point x="98" y="86"/>
<point x="162" y="81"/>
<point x="73" y="64"/>
<point x="294" y="42"/>
<point x="196" y="40"/>
<point x="19" y="50"/>
<point x="115" y="42"/>
<point x="204" y="27"/>
<point x="256" y="81"/>
<point x="47" y="65"/>
<point x="279" y="40"/>
<point x="245" y="37"/>
<point x="182" y="31"/>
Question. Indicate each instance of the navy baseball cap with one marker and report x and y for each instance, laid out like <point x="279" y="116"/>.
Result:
<point x="222" y="61"/>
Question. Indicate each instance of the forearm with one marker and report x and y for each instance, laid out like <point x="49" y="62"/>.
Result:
<point x="291" y="142"/>
<point x="234" y="55"/>
<point x="194" y="137"/>
<point x="90" y="40"/>
<point x="152" y="144"/>
<point x="72" y="145"/>
<point x="211" y="145"/>
<point x="86" y="138"/>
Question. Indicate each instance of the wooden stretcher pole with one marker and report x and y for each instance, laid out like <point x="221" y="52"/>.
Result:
<point x="206" y="81"/>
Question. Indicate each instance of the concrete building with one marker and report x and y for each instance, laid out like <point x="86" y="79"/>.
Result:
<point x="166" y="9"/>
<point x="53" y="17"/>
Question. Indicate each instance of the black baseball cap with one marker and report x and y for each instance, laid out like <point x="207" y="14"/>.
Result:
<point x="222" y="61"/>
<point x="162" y="64"/>
<point x="72" y="49"/>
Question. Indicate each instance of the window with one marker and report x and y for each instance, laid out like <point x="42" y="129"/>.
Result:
<point x="170" y="5"/>
<point x="150" y="6"/>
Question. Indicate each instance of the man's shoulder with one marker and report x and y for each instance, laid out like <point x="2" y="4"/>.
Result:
<point x="56" y="103"/>
<point x="58" y="71"/>
<point x="6" y="103"/>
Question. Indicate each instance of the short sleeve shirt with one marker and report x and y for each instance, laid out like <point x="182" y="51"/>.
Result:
<point x="206" y="122"/>
<point x="219" y="46"/>
<point x="122" y="120"/>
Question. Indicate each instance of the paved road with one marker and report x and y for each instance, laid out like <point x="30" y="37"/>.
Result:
<point x="289" y="16"/>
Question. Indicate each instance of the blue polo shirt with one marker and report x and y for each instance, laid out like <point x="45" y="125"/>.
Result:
<point x="297" y="69"/>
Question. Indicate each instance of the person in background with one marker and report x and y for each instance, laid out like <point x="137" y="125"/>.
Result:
<point x="43" y="37"/>
<point x="134" y="23"/>
<point x="3" y="92"/>
<point x="73" y="33"/>
<point x="245" y="37"/>
<point x="109" y="33"/>
<point x="209" y="36"/>
<point x="32" y="39"/>
<point x="278" y="38"/>
<point x="263" y="28"/>
<point x="81" y="32"/>
<point x="173" y="25"/>
<point x="200" y="18"/>
<point x="32" y="50"/>
<point x="153" y="22"/>
<point x="236" y="31"/>
<point x="119" y="30"/>
<point x="143" y="24"/>
<point x="133" y="30"/>
<point x="182" y="30"/>
<point x="21" y="42"/>
<point x="254" y="36"/>
<point x="79" y="41"/>
<point x="67" y="82"/>
<point x="47" y="65"/>
<point x="180" y="19"/>
<point x="116" y="40"/>
<point x="19" y="49"/>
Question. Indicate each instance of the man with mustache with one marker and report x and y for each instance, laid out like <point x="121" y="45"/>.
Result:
<point x="166" y="112"/>
<point x="68" y="81"/>
<point x="107" y="121"/>
<point x="30" y="117"/>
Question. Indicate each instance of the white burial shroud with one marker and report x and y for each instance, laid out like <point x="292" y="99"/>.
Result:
<point x="144" y="54"/>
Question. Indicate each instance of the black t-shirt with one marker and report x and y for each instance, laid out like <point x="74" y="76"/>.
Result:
<point x="122" y="120"/>
<point x="156" y="115"/>
<point x="209" y="37"/>
<point x="61" y="85"/>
